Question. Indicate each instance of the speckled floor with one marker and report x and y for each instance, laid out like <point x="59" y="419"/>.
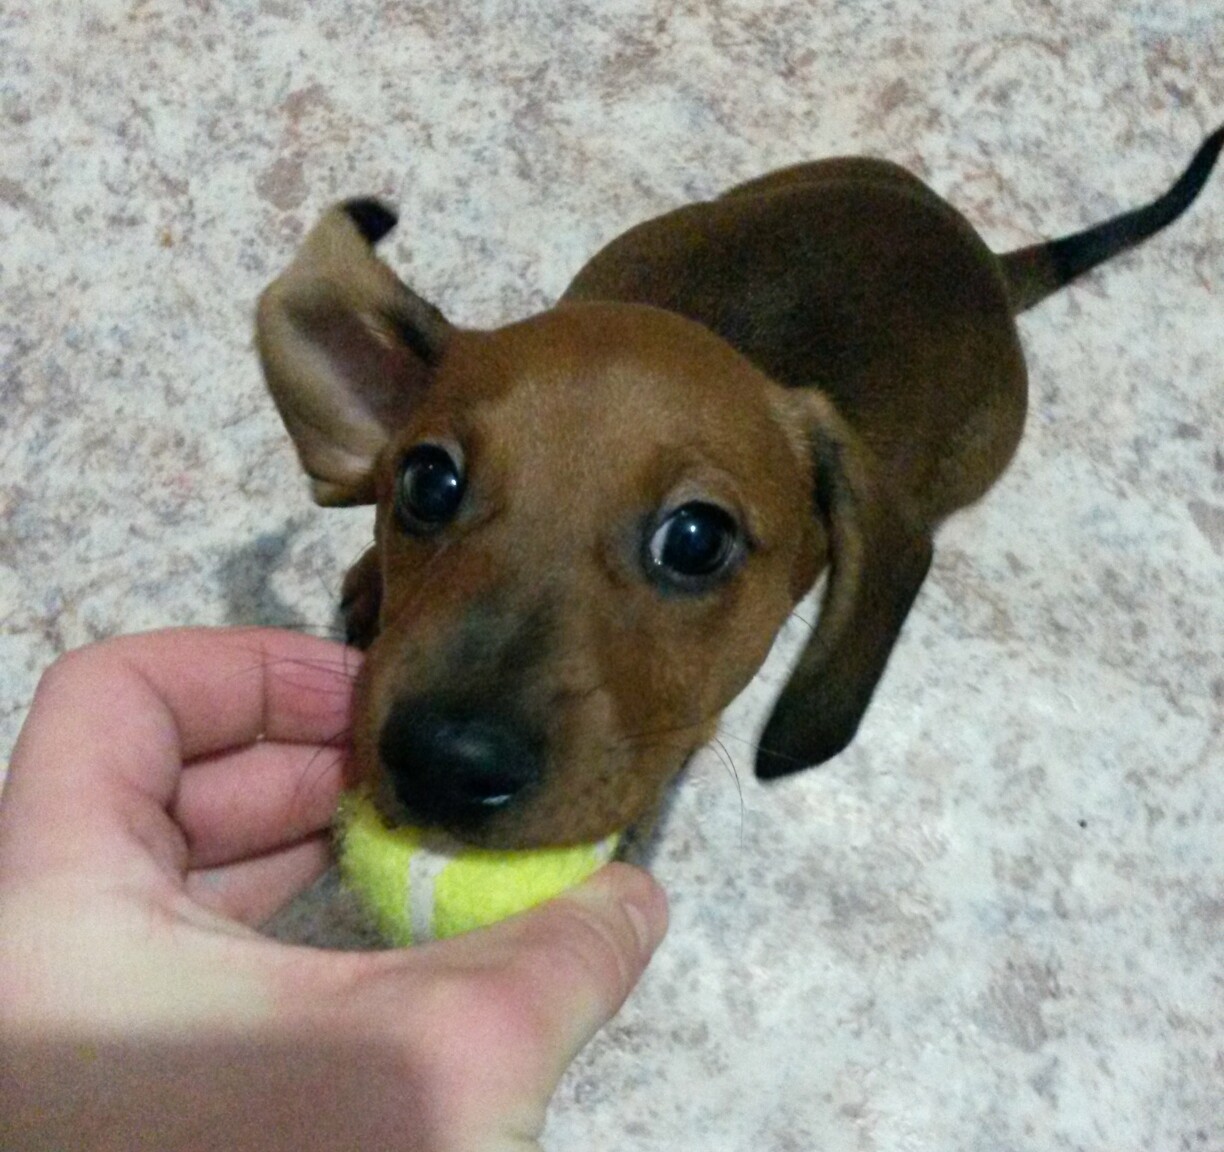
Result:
<point x="997" y="922"/>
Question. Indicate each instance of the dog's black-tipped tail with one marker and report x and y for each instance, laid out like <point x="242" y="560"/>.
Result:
<point x="372" y="217"/>
<point x="1039" y="271"/>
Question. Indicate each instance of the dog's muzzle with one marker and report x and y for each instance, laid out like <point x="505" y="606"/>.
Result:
<point x="454" y="765"/>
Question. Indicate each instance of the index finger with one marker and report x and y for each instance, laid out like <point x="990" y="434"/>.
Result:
<point x="124" y="715"/>
<point x="225" y="687"/>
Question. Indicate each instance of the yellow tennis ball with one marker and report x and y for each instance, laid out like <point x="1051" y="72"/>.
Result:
<point x="419" y="886"/>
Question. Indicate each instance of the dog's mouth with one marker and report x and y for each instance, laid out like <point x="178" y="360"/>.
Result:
<point x="489" y="779"/>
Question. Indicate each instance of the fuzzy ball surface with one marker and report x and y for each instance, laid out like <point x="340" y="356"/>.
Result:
<point x="420" y="886"/>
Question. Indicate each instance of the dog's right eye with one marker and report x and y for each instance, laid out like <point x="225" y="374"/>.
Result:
<point x="694" y="547"/>
<point x="430" y="488"/>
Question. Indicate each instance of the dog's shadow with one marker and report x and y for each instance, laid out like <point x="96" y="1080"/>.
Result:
<point x="246" y="576"/>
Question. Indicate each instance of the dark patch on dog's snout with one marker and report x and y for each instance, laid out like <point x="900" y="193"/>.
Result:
<point x="455" y="764"/>
<point x="469" y="744"/>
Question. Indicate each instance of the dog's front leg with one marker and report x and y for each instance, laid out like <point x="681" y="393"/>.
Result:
<point x="361" y="600"/>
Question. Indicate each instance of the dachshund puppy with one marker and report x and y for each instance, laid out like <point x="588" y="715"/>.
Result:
<point x="591" y="524"/>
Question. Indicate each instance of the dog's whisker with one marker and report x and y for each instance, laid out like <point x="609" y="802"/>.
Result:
<point x="649" y="735"/>
<point x="729" y="762"/>
<point x="341" y="669"/>
<point x="724" y="734"/>
<point x="325" y="586"/>
<point x="316" y="768"/>
<point x="795" y="614"/>
<point x="755" y="745"/>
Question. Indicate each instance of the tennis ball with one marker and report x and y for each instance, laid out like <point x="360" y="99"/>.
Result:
<point x="420" y="886"/>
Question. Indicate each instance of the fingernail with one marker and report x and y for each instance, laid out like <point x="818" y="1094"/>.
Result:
<point x="645" y="906"/>
<point x="646" y="940"/>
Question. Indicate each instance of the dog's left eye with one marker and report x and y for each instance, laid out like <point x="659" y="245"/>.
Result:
<point x="430" y="489"/>
<point x="694" y="544"/>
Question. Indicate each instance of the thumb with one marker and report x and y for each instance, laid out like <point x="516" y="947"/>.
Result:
<point x="498" y="1015"/>
<point x="580" y="955"/>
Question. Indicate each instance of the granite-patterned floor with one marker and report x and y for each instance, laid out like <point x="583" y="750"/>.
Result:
<point x="997" y="922"/>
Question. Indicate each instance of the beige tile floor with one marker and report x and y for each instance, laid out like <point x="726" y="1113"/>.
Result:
<point x="997" y="922"/>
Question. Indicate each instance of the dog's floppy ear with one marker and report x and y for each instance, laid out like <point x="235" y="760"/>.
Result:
<point x="346" y="349"/>
<point x="878" y="557"/>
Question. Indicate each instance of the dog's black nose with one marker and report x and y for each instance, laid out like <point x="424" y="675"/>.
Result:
<point x="456" y="766"/>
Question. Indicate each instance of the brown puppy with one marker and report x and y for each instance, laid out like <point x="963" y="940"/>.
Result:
<point x="591" y="524"/>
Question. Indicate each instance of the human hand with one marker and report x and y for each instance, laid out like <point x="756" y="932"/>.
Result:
<point x="169" y="791"/>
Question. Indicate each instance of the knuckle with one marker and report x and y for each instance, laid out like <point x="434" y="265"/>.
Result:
<point x="65" y="674"/>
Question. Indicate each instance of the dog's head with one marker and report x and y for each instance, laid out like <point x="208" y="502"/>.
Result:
<point x="590" y="526"/>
